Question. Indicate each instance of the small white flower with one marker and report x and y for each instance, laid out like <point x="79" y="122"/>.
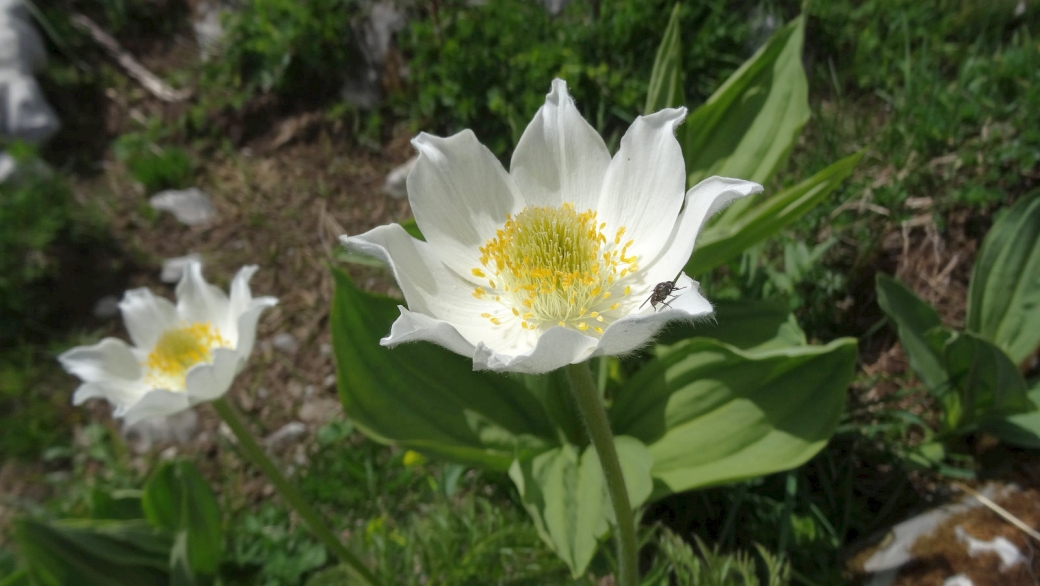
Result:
<point x="548" y="264"/>
<point x="181" y="355"/>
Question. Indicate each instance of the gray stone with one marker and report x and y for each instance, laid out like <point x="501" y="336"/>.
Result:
<point x="21" y="47"/>
<point x="374" y="35"/>
<point x="396" y="185"/>
<point x="205" y="20"/>
<point x="286" y="343"/>
<point x="24" y="113"/>
<point x="173" y="268"/>
<point x="107" y="307"/>
<point x="190" y="206"/>
<point x="178" y="428"/>
<point x="289" y="434"/>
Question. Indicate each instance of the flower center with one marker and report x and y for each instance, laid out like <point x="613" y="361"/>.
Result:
<point x="554" y="266"/>
<point x="178" y="350"/>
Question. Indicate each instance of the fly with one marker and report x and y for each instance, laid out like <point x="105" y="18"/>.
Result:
<point x="662" y="294"/>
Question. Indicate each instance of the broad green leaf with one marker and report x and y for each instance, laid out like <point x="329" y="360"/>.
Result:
<point x="179" y="499"/>
<point x="710" y="413"/>
<point x="424" y="397"/>
<point x="732" y="234"/>
<point x="987" y="384"/>
<point x="564" y="492"/>
<point x="913" y="318"/>
<point x="117" y="504"/>
<point x="94" y="553"/>
<point x="665" y="89"/>
<point x="1004" y="295"/>
<point x="747" y="127"/>
<point x="751" y="325"/>
<point x="1022" y="429"/>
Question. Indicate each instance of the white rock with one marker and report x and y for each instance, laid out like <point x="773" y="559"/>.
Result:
<point x="205" y="19"/>
<point x="21" y="47"/>
<point x="373" y="36"/>
<point x="1009" y="554"/>
<point x="107" y="307"/>
<point x="396" y="185"/>
<point x="958" y="580"/>
<point x="286" y="343"/>
<point x="24" y="113"/>
<point x="173" y="268"/>
<point x="178" y="428"/>
<point x="190" y="206"/>
<point x="289" y="434"/>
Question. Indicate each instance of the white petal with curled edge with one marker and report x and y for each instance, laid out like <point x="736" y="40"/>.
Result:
<point x="636" y="330"/>
<point x="460" y="194"/>
<point x="429" y="287"/>
<point x="198" y="301"/>
<point x="560" y="157"/>
<point x="146" y="316"/>
<point x="109" y="359"/>
<point x="206" y="382"/>
<point x="155" y="403"/>
<point x="247" y="327"/>
<point x="702" y="202"/>
<point x="414" y="327"/>
<point x="645" y="182"/>
<point x="556" y="347"/>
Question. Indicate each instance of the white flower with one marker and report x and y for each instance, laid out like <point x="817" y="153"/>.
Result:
<point x="181" y="355"/>
<point x="548" y="264"/>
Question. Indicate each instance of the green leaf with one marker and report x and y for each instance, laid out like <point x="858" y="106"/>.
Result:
<point x="710" y="413"/>
<point x="94" y="552"/>
<point x="117" y="504"/>
<point x="751" y="325"/>
<point x="425" y="397"/>
<point x="179" y="499"/>
<point x="988" y="385"/>
<point x="1022" y="429"/>
<point x="913" y="318"/>
<point x="665" y="89"/>
<point x="734" y="233"/>
<point x="747" y="127"/>
<point x="566" y="496"/>
<point x="1004" y="295"/>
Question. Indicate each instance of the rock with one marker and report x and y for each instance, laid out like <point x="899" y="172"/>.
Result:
<point x="286" y="343"/>
<point x="555" y="7"/>
<point x="24" y="114"/>
<point x="396" y="185"/>
<point x="319" y="411"/>
<point x="190" y="206"/>
<point x="289" y="434"/>
<point x="107" y="307"/>
<point x="958" y="580"/>
<point x="173" y="268"/>
<point x="374" y="35"/>
<point x="21" y="47"/>
<point x="178" y="428"/>
<point x="1005" y="550"/>
<point x="205" y="20"/>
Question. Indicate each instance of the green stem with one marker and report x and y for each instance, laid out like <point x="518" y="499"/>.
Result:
<point x="288" y="491"/>
<point x="595" y="416"/>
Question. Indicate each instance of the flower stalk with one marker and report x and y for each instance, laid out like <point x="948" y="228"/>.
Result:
<point x="289" y="492"/>
<point x="595" y="417"/>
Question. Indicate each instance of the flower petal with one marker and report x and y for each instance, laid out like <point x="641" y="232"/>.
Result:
<point x="146" y="316"/>
<point x="155" y="403"/>
<point x="460" y="195"/>
<point x="428" y="287"/>
<point x="108" y="360"/>
<point x="638" y="329"/>
<point x="198" y="301"/>
<point x="246" y="328"/>
<point x="208" y="381"/>
<point x="702" y="201"/>
<point x="644" y="184"/>
<point x="555" y="347"/>
<point x="414" y="327"/>
<point x="560" y="157"/>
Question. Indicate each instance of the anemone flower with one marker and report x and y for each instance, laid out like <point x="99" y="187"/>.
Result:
<point x="552" y="262"/>
<point x="181" y="355"/>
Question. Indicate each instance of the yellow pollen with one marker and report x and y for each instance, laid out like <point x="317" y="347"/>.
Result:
<point x="177" y="350"/>
<point x="554" y="266"/>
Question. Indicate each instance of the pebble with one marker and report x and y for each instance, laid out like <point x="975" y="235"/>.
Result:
<point x="285" y="342"/>
<point x="190" y="206"/>
<point x="173" y="268"/>
<point x="107" y="307"/>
